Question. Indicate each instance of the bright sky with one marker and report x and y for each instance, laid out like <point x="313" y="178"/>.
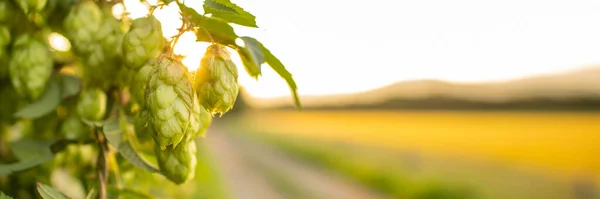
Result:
<point x="341" y="46"/>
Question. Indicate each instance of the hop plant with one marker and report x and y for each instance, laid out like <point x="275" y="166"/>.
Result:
<point x="91" y="105"/>
<point x="143" y="41"/>
<point x="156" y="104"/>
<point x="216" y="80"/>
<point x="177" y="163"/>
<point x="169" y="99"/>
<point x="30" y="66"/>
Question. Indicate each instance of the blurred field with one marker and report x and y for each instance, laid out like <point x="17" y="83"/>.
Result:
<point x="560" y="144"/>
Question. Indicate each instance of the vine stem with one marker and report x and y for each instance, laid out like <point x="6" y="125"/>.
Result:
<point x="102" y="164"/>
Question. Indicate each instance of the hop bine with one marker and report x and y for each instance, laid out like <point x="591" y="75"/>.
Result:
<point x="30" y="66"/>
<point x="216" y="80"/>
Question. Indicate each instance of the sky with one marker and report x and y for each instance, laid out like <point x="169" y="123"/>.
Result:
<point x="345" y="46"/>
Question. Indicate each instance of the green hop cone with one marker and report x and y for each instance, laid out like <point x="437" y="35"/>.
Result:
<point x="169" y="99"/>
<point x="29" y="6"/>
<point x="143" y="41"/>
<point x="74" y="129"/>
<point x="177" y="164"/>
<point x="216" y="80"/>
<point x="140" y="81"/>
<point x="30" y="66"/>
<point x="82" y="24"/>
<point x="199" y="123"/>
<point x="91" y="105"/>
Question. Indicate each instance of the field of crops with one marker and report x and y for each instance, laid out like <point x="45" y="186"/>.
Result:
<point x="557" y="143"/>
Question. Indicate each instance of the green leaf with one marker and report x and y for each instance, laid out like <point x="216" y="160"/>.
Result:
<point x="209" y="28"/>
<point x="284" y="73"/>
<point x="129" y="153"/>
<point x="114" y="135"/>
<point x="4" y="196"/>
<point x="46" y="104"/>
<point x="24" y="149"/>
<point x="91" y="194"/>
<point x="252" y="56"/>
<point x="70" y="85"/>
<point x="30" y="154"/>
<point x="48" y="192"/>
<point x="67" y="183"/>
<point x="112" y="132"/>
<point x="224" y="9"/>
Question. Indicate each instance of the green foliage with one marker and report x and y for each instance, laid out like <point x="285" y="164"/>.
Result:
<point x="29" y="154"/>
<point x="230" y="12"/>
<point x="47" y="192"/>
<point x="119" y="88"/>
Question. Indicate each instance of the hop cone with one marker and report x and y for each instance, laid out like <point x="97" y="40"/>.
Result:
<point x="72" y="128"/>
<point x="199" y="123"/>
<point x="169" y="100"/>
<point x="82" y="24"/>
<point x="30" y="67"/>
<point x="31" y="5"/>
<point x="143" y="41"/>
<point x="140" y="81"/>
<point x="177" y="164"/>
<point x="216" y="80"/>
<point x="91" y="105"/>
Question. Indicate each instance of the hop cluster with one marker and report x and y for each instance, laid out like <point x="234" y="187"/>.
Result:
<point x="173" y="115"/>
<point x="216" y="80"/>
<point x="170" y="101"/>
<point x="30" y="66"/>
<point x="97" y="38"/>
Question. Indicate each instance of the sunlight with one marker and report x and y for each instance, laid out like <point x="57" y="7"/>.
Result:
<point x="59" y="42"/>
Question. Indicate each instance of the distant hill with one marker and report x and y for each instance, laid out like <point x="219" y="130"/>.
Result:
<point x="578" y="89"/>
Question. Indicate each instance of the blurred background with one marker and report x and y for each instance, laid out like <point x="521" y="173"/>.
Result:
<point x="408" y="99"/>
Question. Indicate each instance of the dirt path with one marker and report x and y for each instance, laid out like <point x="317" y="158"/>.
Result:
<point x="239" y="178"/>
<point x="246" y="181"/>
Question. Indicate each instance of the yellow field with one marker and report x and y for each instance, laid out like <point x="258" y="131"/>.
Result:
<point x="562" y="142"/>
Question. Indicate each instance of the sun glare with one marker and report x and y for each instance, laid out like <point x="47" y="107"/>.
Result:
<point x="59" y="42"/>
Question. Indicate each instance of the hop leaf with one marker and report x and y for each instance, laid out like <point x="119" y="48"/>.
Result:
<point x="92" y="104"/>
<point x="216" y="81"/>
<point x="169" y="100"/>
<point x="30" y="67"/>
<point x="143" y="41"/>
<point x="177" y="164"/>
